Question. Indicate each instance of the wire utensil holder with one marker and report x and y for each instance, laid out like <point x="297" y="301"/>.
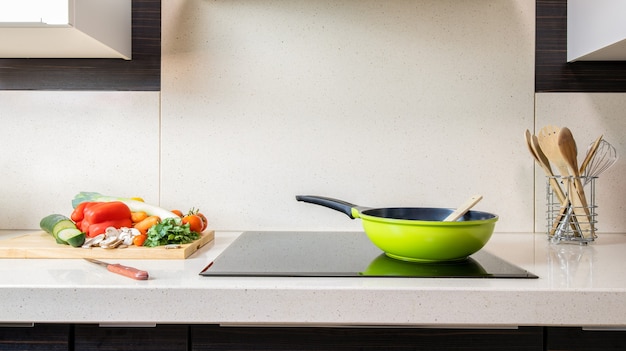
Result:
<point x="563" y="223"/>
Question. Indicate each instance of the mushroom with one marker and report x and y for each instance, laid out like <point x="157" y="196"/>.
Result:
<point x="91" y="242"/>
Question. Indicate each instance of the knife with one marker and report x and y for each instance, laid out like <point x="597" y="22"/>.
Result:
<point x="126" y="271"/>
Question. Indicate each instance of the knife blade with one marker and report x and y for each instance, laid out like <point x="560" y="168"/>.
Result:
<point x="126" y="271"/>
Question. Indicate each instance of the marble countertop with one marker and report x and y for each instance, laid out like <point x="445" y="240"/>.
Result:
<point x="577" y="286"/>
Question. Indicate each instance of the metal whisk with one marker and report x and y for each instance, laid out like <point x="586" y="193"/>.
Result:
<point x="603" y="159"/>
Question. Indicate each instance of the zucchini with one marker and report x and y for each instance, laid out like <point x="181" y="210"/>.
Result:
<point x="73" y="236"/>
<point x="54" y="223"/>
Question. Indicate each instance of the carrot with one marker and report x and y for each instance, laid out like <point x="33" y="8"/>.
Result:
<point x="179" y="213"/>
<point x="147" y="223"/>
<point x="139" y="239"/>
<point x="138" y="216"/>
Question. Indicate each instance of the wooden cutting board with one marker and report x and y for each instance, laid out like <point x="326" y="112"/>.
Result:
<point x="42" y="245"/>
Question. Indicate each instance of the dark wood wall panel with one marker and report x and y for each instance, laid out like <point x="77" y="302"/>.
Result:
<point x="143" y="72"/>
<point x="553" y="73"/>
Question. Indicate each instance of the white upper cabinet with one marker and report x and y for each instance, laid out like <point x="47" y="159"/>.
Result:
<point x="596" y="30"/>
<point x="66" y="29"/>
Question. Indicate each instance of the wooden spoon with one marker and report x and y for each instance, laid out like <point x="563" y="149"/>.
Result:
<point x="542" y="160"/>
<point x="590" y="153"/>
<point x="569" y="151"/>
<point x="540" y="157"/>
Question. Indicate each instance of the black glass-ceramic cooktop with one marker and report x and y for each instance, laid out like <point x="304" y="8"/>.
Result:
<point x="341" y="254"/>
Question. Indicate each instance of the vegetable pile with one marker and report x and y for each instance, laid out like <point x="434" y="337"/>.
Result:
<point x="96" y="216"/>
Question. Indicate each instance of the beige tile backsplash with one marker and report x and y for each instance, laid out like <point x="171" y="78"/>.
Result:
<point x="381" y="103"/>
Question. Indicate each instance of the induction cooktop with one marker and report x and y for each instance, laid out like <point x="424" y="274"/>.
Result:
<point x="341" y="254"/>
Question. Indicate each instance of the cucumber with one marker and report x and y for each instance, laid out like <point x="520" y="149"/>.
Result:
<point x="54" y="223"/>
<point x="73" y="236"/>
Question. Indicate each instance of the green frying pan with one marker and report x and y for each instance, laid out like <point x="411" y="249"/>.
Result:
<point x="417" y="234"/>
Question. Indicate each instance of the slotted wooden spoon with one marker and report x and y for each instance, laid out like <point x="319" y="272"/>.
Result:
<point x="548" y="141"/>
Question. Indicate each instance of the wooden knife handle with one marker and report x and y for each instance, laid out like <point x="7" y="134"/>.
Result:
<point x="129" y="272"/>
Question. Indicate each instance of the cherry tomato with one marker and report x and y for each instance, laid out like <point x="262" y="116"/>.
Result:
<point x="195" y="223"/>
<point x="205" y="222"/>
<point x="138" y="240"/>
<point x="179" y="213"/>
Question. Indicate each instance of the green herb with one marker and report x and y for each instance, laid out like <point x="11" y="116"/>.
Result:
<point x="170" y="231"/>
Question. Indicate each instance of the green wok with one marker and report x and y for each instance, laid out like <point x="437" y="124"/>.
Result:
<point x="417" y="234"/>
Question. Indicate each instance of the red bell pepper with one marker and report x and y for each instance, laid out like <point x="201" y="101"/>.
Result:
<point x="97" y="212"/>
<point x="78" y="213"/>
<point x="99" y="228"/>
<point x="94" y="217"/>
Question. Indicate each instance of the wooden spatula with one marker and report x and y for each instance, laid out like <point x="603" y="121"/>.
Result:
<point x="459" y="212"/>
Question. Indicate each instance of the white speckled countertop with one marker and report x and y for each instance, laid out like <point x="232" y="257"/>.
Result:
<point x="577" y="286"/>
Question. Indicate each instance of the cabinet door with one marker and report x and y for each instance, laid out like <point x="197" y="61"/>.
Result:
<point x="215" y="338"/>
<point x="142" y="73"/>
<point x="44" y="337"/>
<point x="574" y="339"/>
<point x="161" y="337"/>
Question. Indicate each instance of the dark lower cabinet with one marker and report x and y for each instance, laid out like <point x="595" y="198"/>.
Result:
<point x="87" y="337"/>
<point x="214" y="338"/>
<point x="44" y="337"/>
<point x="578" y="339"/>
<point x="91" y="337"/>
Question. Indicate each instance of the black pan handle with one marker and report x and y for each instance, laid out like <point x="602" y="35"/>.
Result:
<point x="338" y="205"/>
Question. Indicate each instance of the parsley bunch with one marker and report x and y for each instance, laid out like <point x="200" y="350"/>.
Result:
<point x="170" y="231"/>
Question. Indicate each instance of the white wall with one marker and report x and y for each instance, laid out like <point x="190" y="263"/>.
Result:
<point x="381" y="103"/>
